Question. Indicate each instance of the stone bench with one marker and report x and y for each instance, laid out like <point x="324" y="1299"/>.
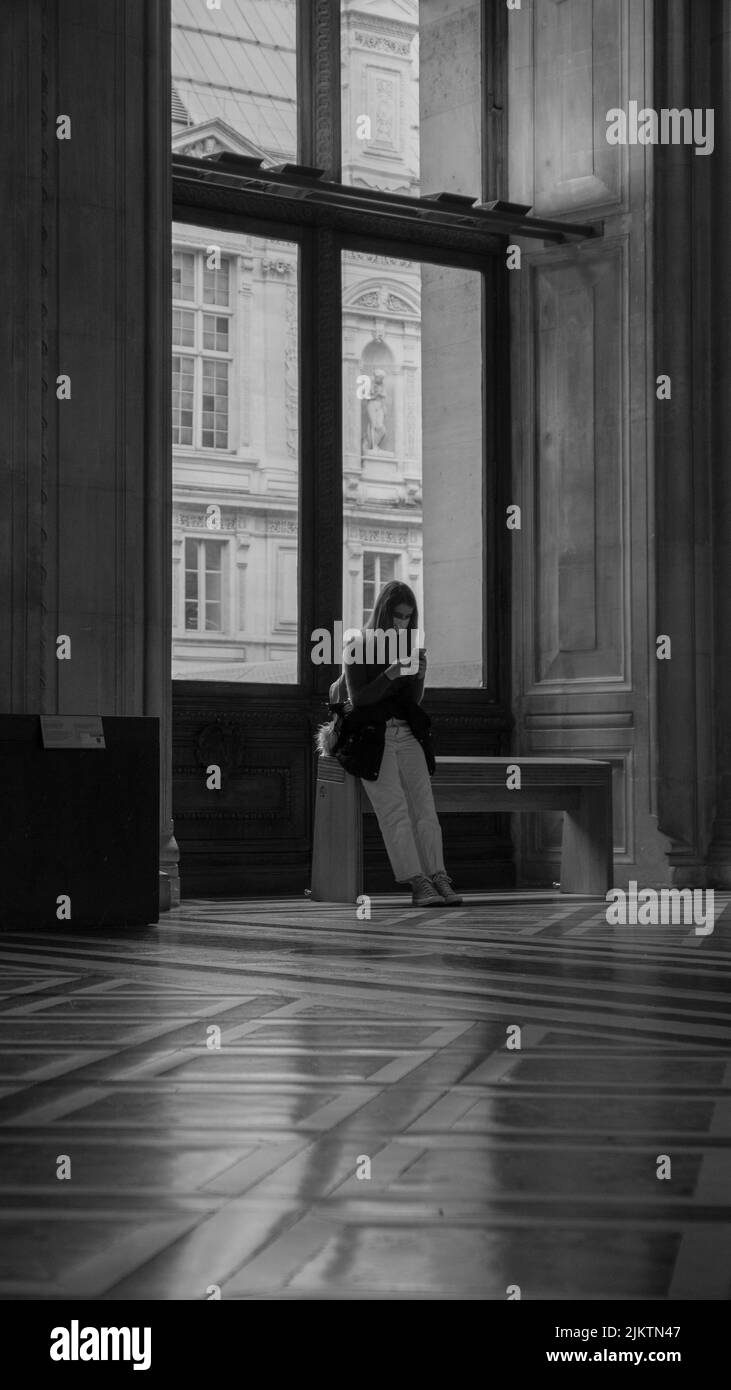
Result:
<point x="580" y="787"/>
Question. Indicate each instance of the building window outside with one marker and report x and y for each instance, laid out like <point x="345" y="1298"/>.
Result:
<point x="409" y="325"/>
<point x="201" y="377"/>
<point x="183" y="275"/>
<point x="203" y="585"/>
<point x="378" y="569"/>
<point x="235" y="330"/>
<point x="183" y="399"/>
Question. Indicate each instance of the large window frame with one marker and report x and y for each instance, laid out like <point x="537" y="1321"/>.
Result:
<point x="307" y="204"/>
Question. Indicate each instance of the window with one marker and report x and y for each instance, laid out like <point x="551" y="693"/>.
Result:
<point x="183" y="275"/>
<point x="387" y="88"/>
<point x="203" y="588"/>
<point x="201" y="377"/>
<point x="183" y="399"/>
<point x="377" y="570"/>
<point x="235" y="455"/>
<point x="413" y="450"/>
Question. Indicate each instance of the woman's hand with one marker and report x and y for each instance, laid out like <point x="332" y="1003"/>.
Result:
<point x="403" y="668"/>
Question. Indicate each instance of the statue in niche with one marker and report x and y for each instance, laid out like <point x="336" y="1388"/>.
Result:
<point x="375" y="412"/>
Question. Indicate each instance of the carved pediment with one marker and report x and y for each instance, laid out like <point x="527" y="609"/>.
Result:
<point x="214" y="137"/>
<point x="384" y="298"/>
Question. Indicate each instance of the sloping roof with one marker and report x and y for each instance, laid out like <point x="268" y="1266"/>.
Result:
<point x="238" y="64"/>
<point x="178" y="111"/>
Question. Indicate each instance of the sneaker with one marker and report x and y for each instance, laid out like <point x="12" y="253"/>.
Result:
<point x="424" y="894"/>
<point x="443" y="884"/>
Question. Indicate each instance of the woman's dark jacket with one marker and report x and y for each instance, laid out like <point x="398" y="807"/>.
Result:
<point x="368" y="699"/>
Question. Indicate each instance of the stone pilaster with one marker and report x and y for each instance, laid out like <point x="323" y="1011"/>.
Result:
<point x="719" y="858"/>
<point x="84" y="252"/>
<point x="685" y="284"/>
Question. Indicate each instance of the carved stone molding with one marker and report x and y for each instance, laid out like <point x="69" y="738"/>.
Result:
<point x="278" y="268"/>
<point x="381" y="43"/>
<point x="370" y="32"/>
<point x="291" y="373"/>
<point x="378" y="535"/>
<point x="372" y="258"/>
<point x="200" y="149"/>
<point x="382" y="297"/>
<point x="325" y="136"/>
<point x="229" y="521"/>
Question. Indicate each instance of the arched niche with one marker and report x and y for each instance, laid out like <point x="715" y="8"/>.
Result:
<point x="377" y="432"/>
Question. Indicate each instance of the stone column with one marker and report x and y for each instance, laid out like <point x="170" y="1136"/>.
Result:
<point x="452" y="351"/>
<point x="720" y="54"/>
<point x="685" y="288"/>
<point x="85" y="255"/>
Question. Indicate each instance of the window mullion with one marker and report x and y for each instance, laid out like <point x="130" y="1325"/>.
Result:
<point x="201" y="586"/>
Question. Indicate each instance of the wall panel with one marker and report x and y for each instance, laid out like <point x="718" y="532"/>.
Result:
<point x="583" y="408"/>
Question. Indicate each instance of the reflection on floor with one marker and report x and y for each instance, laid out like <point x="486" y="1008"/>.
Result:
<point x="274" y="1100"/>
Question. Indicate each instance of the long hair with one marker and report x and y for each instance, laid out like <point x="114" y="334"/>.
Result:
<point x="393" y="593"/>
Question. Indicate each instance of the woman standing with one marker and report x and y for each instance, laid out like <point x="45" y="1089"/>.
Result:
<point x="401" y="793"/>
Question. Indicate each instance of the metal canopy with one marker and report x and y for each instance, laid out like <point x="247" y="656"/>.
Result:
<point x="447" y="211"/>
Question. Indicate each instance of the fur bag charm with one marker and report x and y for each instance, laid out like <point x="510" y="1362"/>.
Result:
<point x="328" y="736"/>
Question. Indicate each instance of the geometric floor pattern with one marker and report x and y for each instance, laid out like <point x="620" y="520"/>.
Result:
<point x="273" y="1100"/>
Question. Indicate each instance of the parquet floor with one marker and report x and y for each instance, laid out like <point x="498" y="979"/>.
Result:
<point x="357" y="1128"/>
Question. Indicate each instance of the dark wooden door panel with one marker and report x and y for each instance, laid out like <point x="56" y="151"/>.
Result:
<point x="254" y="835"/>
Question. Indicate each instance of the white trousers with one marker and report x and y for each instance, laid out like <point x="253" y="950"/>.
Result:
<point x="404" y="804"/>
